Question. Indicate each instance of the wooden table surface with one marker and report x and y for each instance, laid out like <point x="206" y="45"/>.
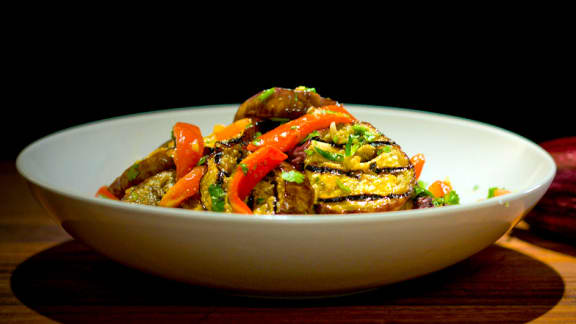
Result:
<point x="46" y="276"/>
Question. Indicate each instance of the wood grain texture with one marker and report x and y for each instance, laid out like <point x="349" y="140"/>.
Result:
<point x="47" y="277"/>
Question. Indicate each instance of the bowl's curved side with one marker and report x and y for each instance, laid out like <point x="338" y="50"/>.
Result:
<point x="287" y="257"/>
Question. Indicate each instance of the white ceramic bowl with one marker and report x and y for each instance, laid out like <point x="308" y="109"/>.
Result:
<point x="289" y="255"/>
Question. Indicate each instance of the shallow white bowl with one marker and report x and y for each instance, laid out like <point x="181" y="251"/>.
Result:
<point x="289" y="255"/>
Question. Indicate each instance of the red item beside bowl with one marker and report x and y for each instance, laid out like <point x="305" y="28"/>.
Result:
<point x="556" y="211"/>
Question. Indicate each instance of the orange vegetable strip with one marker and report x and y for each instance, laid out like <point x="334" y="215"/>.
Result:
<point x="249" y="172"/>
<point x="287" y="135"/>
<point x="189" y="147"/>
<point x="440" y="188"/>
<point x="418" y="161"/>
<point x="232" y="130"/>
<point x="105" y="193"/>
<point x="184" y="188"/>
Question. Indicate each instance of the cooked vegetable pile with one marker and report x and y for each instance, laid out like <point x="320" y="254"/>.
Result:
<point x="288" y="151"/>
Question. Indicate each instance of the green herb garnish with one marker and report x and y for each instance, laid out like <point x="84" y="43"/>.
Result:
<point x="266" y="94"/>
<point x="218" y="197"/>
<point x="305" y="89"/>
<point x="293" y="176"/>
<point x="364" y="132"/>
<point x="451" y="198"/>
<point x="244" y="168"/>
<point x="352" y="145"/>
<point x="329" y="155"/>
<point x="202" y="160"/>
<point x="342" y="187"/>
<point x="260" y="200"/>
<point x="256" y="140"/>
<point x="133" y="172"/>
<point x="385" y="149"/>
<point x="491" y="192"/>
<point x="311" y="135"/>
<point x="279" y="119"/>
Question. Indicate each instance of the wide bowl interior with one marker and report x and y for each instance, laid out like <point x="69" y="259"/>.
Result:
<point x="315" y="254"/>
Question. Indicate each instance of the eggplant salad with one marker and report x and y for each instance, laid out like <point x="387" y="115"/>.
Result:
<point x="287" y="151"/>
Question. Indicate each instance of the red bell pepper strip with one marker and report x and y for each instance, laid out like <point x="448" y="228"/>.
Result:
<point x="232" y="130"/>
<point x="184" y="188"/>
<point x="288" y="135"/>
<point x="103" y="192"/>
<point x="189" y="147"/>
<point x="418" y="161"/>
<point x="249" y="172"/>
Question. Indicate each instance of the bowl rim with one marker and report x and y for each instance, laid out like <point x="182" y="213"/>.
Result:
<point x="290" y="218"/>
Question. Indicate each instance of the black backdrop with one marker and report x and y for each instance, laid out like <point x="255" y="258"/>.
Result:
<point x="512" y="83"/>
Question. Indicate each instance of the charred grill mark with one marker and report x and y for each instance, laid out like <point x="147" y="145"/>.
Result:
<point x="275" y="188"/>
<point x="363" y="197"/>
<point x="321" y="169"/>
<point x="342" y="146"/>
<point x="389" y="170"/>
<point x="356" y="174"/>
<point x="231" y="142"/>
<point x="217" y="157"/>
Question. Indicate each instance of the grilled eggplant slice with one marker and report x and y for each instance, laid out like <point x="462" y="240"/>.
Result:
<point x="355" y="169"/>
<point x="151" y="191"/>
<point x="276" y="195"/>
<point x="159" y="160"/>
<point x="281" y="103"/>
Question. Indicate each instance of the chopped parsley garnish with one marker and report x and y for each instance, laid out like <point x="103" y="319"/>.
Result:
<point x="266" y="94"/>
<point x="256" y="140"/>
<point x="133" y="172"/>
<point x="491" y="192"/>
<point x="202" y="160"/>
<point x="384" y="149"/>
<point x="311" y="135"/>
<point x="244" y="168"/>
<point x="218" y="197"/>
<point x="293" y="176"/>
<point x="260" y="200"/>
<point x="451" y="198"/>
<point x="364" y="133"/>
<point x="329" y="155"/>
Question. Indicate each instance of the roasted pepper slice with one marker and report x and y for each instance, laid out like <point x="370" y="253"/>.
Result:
<point x="288" y="135"/>
<point x="418" y="161"/>
<point x="249" y="172"/>
<point x="184" y="188"/>
<point x="103" y="192"/>
<point x="189" y="147"/>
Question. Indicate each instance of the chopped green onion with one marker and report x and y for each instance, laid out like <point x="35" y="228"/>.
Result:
<point x="265" y="94"/>
<point x="352" y="145"/>
<point x="311" y="135"/>
<point x="329" y="155"/>
<point x="342" y="187"/>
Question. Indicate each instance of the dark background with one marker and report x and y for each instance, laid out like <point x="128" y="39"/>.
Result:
<point x="518" y="78"/>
